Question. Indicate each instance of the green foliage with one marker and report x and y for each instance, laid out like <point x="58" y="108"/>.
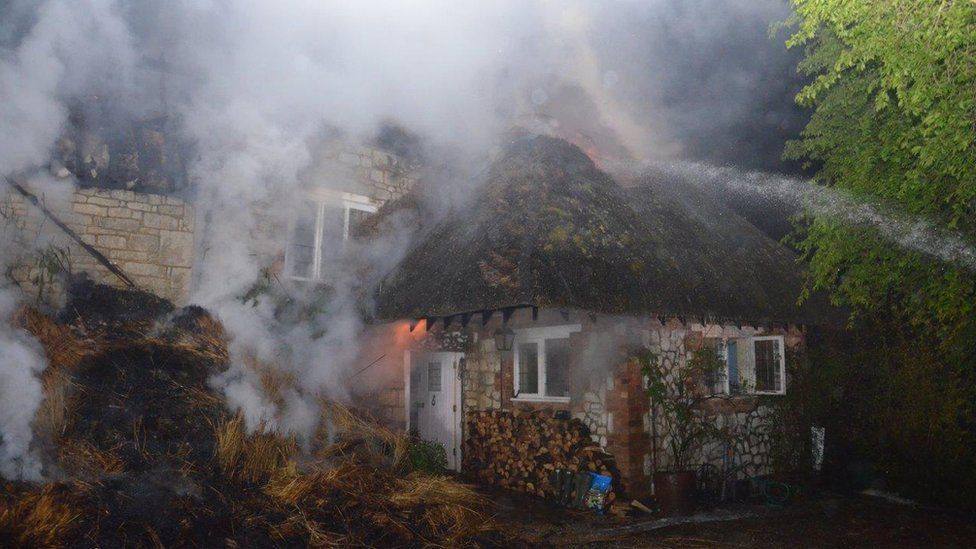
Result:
<point x="428" y="457"/>
<point x="47" y="266"/>
<point x="894" y="96"/>
<point x="893" y="92"/>
<point x="893" y="415"/>
<point x="677" y="393"/>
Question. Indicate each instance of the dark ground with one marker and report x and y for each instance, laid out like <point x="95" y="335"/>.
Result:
<point x="827" y="521"/>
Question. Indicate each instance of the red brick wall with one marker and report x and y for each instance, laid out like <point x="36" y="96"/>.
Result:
<point x="630" y="440"/>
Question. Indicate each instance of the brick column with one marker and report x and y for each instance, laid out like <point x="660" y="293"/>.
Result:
<point x="630" y="439"/>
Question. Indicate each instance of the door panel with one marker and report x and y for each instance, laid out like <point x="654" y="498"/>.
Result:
<point x="436" y="390"/>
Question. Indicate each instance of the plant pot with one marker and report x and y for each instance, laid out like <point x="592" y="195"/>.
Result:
<point x="675" y="492"/>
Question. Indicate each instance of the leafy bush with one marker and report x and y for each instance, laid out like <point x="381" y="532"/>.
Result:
<point x="428" y="457"/>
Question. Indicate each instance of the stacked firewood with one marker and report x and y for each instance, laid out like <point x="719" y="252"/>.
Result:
<point x="521" y="450"/>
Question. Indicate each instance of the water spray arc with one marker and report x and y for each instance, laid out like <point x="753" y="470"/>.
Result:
<point x="909" y="233"/>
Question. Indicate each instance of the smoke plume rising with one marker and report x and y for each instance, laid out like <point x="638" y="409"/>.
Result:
<point x="252" y="86"/>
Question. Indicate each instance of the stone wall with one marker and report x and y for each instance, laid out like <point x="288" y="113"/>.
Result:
<point x="377" y="174"/>
<point x="614" y="405"/>
<point x="149" y="237"/>
<point x="747" y="422"/>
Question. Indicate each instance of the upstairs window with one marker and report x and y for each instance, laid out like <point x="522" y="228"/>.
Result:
<point x="319" y="232"/>
<point x="542" y="358"/>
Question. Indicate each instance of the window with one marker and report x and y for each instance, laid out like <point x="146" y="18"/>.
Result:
<point x="319" y="231"/>
<point x="716" y="378"/>
<point x="542" y="357"/>
<point x="756" y="365"/>
<point x="768" y="365"/>
<point x="433" y="377"/>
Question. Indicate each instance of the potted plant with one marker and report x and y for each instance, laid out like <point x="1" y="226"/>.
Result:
<point x="677" y="394"/>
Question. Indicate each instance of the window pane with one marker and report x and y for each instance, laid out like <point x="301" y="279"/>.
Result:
<point x="355" y="218"/>
<point x="333" y="225"/>
<point x="434" y="376"/>
<point x="715" y="372"/>
<point x="301" y="246"/>
<point x="767" y="365"/>
<point x="557" y="367"/>
<point x="733" y="353"/>
<point x="529" y="368"/>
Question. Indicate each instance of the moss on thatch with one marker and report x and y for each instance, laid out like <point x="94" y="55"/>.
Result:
<point x="548" y="228"/>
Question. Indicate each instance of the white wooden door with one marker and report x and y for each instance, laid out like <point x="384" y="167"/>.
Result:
<point x="436" y="399"/>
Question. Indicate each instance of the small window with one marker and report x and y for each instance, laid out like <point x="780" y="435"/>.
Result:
<point x="768" y="375"/>
<point x="433" y="377"/>
<point x="752" y="365"/>
<point x="542" y="362"/>
<point x="756" y="365"/>
<point x="318" y="234"/>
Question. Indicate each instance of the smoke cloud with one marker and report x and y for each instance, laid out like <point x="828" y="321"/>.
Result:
<point x="21" y="362"/>
<point x="252" y="87"/>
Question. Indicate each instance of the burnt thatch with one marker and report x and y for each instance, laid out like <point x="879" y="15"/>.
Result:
<point x="550" y="229"/>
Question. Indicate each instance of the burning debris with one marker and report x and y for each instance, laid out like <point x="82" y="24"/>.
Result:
<point x="142" y="451"/>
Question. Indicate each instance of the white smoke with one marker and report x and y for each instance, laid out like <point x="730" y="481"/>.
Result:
<point x="253" y="84"/>
<point x="21" y="362"/>
<point x="68" y="50"/>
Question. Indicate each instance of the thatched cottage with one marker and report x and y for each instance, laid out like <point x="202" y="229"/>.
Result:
<point x="532" y="299"/>
<point x="524" y="305"/>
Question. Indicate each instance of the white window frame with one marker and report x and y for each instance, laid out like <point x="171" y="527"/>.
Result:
<point x="538" y="336"/>
<point x="782" y="363"/>
<point x="324" y="198"/>
<point x="746" y="365"/>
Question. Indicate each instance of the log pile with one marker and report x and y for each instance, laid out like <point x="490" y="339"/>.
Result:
<point x="520" y="450"/>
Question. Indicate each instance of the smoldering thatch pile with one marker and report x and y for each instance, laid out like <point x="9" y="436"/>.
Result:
<point x="147" y="454"/>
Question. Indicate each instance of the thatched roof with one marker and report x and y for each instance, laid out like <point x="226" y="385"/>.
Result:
<point x="548" y="228"/>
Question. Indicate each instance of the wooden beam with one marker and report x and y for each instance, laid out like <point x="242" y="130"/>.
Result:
<point x="507" y="314"/>
<point x="112" y="267"/>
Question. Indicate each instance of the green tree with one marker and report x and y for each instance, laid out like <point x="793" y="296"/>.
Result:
<point x="894" y="96"/>
<point x="893" y="93"/>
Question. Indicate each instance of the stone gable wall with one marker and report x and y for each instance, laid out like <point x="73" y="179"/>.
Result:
<point x="149" y="237"/>
<point x="385" y="176"/>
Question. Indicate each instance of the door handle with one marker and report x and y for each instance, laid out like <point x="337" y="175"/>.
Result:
<point x="433" y="400"/>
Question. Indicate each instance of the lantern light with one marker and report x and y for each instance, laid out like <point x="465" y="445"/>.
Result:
<point x="504" y="339"/>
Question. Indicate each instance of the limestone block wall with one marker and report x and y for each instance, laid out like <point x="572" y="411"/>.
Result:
<point x="382" y="176"/>
<point x="149" y="237"/>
